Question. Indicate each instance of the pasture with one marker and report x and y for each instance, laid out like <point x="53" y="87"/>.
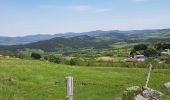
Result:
<point x="41" y="80"/>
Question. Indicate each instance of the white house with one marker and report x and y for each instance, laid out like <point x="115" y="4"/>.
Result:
<point x="166" y="52"/>
<point x="140" y="57"/>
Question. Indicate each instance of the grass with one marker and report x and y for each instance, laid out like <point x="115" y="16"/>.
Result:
<point x="40" y="80"/>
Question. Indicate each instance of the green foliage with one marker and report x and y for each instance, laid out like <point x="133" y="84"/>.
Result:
<point x="140" y="47"/>
<point x="35" y="55"/>
<point x="151" y="52"/>
<point x="45" y="57"/>
<point x="148" y="51"/>
<point x="55" y="58"/>
<point x="24" y="53"/>
<point x="91" y="62"/>
<point x="162" y="46"/>
<point x="27" y="53"/>
<point x="132" y="53"/>
<point x="76" y="61"/>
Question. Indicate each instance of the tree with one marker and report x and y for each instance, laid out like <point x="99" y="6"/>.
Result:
<point x="132" y="53"/>
<point x="140" y="47"/>
<point x="27" y="53"/>
<point x="77" y="61"/>
<point x="150" y="52"/>
<point x="55" y="58"/>
<point x="35" y="55"/>
<point x="162" y="46"/>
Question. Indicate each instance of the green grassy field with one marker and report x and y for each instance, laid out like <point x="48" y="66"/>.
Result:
<point x="40" y="80"/>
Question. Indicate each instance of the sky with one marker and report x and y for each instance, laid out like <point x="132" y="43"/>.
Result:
<point x="29" y="17"/>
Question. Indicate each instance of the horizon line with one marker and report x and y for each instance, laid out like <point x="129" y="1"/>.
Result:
<point x="86" y="31"/>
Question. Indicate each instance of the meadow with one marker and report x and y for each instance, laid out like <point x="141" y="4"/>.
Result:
<point x="42" y="80"/>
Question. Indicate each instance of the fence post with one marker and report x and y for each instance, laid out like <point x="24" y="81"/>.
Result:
<point x="69" y="88"/>
<point x="148" y="76"/>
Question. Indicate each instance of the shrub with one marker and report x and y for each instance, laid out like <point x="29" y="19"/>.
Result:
<point x="45" y="57"/>
<point x="91" y="62"/>
<point x="24" y="54"/>
<point x="35" y="55"/>
<point x="27" y="53"/>
<point x="77" y="61"/>
<point x="55" y="58"/>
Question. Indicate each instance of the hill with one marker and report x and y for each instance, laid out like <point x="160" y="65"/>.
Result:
<point x="39" y="37"/>
<point x="154" y="33"/>
<point x="76" y="42"/>
<point x="23" y="40"/>
<point x="87" y="40"/>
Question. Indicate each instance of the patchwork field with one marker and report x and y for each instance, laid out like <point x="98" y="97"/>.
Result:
<point x="40" y="80"/>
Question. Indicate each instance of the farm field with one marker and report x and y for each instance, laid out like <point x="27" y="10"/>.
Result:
<point x="41" y="80"/>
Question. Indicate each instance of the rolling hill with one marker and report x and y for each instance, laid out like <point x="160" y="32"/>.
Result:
<point x="83" y="41"/>
<point x="39" y="37"/>
<point x="115" y="34"/>
<point x="86" y="40"/>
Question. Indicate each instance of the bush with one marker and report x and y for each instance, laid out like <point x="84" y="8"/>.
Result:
<point x="77" y="61"/>
<point x="24" y="54"/>
<point x="91" y="62"/>
<point x="35" y="56"/>
<point x="55" y="58"/>
<point x="27" y="53"/>
<point x="45" y="57"/>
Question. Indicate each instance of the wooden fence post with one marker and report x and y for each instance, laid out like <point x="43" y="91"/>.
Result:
<point x="148" y="76"/>
<point x="69" y="88"/>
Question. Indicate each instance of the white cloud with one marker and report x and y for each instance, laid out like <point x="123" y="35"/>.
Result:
<point x="82" y="8"/>
<point x="77" y="8"/>
<point x="88" y="8"/>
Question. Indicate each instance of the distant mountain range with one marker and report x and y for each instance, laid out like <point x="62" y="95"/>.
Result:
<point x="4" y="40"/>
<point x="73" y="41"/>
<point x="40" y="37"/>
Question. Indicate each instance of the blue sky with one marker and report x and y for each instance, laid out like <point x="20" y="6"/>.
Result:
<point x="26" y="17"/>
